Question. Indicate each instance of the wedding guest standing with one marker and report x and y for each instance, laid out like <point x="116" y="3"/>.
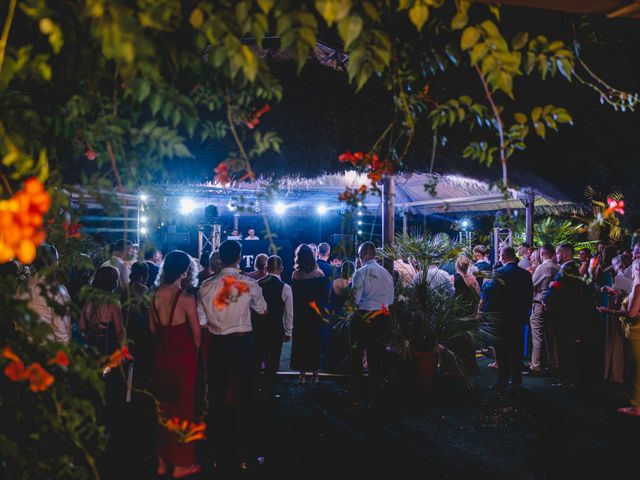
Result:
<point x="539" y="320"/>
<point x="120" y="252"/>
<point x="324" y="251"/>
<point x="565" y="303"/>
<point x="41" y="294"/>
<point x="508" y="297"/>
<point x="137" y="324"/>
<point x="225" y="302"/>
<point x="259" y="267"/>
<point x="174" y="320"/>
<point x="373" y="293"/>
<point x="153" y="260"/>
<point x="273" y="327"/>
<point x="631" y="314"/>
<point x="310" y="292"/>
<point x="101" y="318"/>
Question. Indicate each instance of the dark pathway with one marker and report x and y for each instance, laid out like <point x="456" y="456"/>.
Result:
<point x="314" y="433"/>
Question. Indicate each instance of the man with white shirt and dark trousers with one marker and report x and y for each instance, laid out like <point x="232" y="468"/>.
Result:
<point x="231" y="351"/>
<point x="273" y="327"/>
<point x="373" y="293"/>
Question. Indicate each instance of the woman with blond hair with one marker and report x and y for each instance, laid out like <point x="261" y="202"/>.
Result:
<point x="631" y="317"/>
<point x="467" y="291"/>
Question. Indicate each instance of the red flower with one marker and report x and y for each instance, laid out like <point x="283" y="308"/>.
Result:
<point x="223" y="175"/>
<point x="90" y="154"/>
<point x="39" y="378"/>
<point x="61" y="359"/>
<point x="382" y="311"/>
<point x="345" y="157"/>
<point x="15" y="371"/>
<point x="254" y="119"/>
<point x="71" y="230"/>
<point x="614" y="205"/>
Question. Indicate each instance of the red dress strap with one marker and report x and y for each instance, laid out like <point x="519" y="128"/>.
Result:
<point x="173" y="307"/>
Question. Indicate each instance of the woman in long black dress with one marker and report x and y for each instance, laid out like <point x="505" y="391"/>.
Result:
<point x="310" y="287"/>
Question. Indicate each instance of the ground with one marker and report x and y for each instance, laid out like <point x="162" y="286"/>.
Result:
<point x="314" y="433"/>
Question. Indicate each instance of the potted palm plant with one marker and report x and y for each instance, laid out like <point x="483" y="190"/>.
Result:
<point x="427" y="321"/>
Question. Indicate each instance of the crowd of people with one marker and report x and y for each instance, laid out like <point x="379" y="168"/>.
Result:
<point x="187" y="320"/>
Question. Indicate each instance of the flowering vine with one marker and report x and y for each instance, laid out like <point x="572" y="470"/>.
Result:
<point x="21" y="222"/>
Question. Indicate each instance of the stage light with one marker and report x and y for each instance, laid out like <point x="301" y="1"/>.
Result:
<point x="280" y="208"/>
<point x="465" y="223"/>
<point x="321" y="209"/>
<point x="359" y="222"/>
<point x="359" y="232"/>
<point x="359" y="214"/>
<point x="143" y="219"/>
<point x="143" y="197"/>
<point x="143" y="230"/>
<point x="232" y="205"/>
<point x="359" y="204"/>
<point x="187" y="205"/>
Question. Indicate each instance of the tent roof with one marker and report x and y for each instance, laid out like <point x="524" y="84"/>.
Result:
<point x="453" y="193"/>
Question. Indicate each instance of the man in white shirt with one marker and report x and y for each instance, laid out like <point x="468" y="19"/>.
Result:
<point x="225" y="302"/>
<point x="373" y="293"/>
<point x="251" y="235"/>
<point x="523" y="253"/>
<point x="273" y="327"/>
<point x="437" y="280"/>
<point x="120" y="251"/>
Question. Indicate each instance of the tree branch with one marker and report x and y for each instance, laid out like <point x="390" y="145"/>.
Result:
<point x="5" y="31"/>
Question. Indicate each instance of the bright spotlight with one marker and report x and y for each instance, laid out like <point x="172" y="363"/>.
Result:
<point x="359" y="214"/>
<point x="359" y="232"/>
<point x="143" y="219"/>
<point x="465" y="223"/>
<point x="232" y="205"/>
<point x="359" y="222"/>
<point x="143" y="230"/>
<point x="280" y="208"/>
<point x="321" y="209"/>
<point x="359" y="204"/>
<point x="143" y="197"/>
<point x="187" y="205"/>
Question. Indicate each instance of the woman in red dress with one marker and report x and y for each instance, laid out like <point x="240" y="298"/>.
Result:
<point x="173" y="318"/>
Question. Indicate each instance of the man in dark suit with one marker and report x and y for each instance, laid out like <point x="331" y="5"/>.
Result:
<point x="152" y="257"/>
<point x="567" y="304"/>
<point x="508" y="298"/>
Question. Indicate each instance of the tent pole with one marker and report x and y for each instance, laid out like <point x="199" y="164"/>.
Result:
<point x="529" y="204"/>
<point x="388" y="226"/>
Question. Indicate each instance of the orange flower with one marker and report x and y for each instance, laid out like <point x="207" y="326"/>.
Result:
<point x="117" y="356"/>
<point x="254" y="119"/>
<point x="614" y="205"/>
<point x="21" y="222"/>
<point x="315" y="308"/>
<point x="9" y="354"/>
<point x="39" y="378"/>
<point x="15" y="371"/>
<point x="229" y="292"/>
<point x="383" y="311"/>
<point x="187" y="431"/>
<point x="60" y="359"/>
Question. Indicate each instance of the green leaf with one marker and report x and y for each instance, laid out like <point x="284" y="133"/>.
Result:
<point x="196" y="18"/>
<point x="332" y="10"/>
<point x="459" y="21"/>
<point x="495" y="10"/>
<point x="250" y="66"/>
<point x="490" y="29"/>
<point x="349" y="29"/>
<point x="371" y="10"/>
<point x="556" y="45"/>
<point x="535" y="114"/>
<point x="540" y="129"/>
<point x="565" y="67"/>
<point x="419" y="14"/>
<point x="520" y="118"/>
<point x="266" y="5"/>
<point x="469" y="38"/>
<point x="478" y="52"/>
<point x="519" y="40"/>
<point x="155" y="103"/>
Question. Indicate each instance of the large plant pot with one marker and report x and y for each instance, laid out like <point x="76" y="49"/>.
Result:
<point x="425" y="364"/>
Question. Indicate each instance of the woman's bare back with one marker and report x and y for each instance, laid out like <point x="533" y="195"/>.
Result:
<point x="163" y="301"/>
